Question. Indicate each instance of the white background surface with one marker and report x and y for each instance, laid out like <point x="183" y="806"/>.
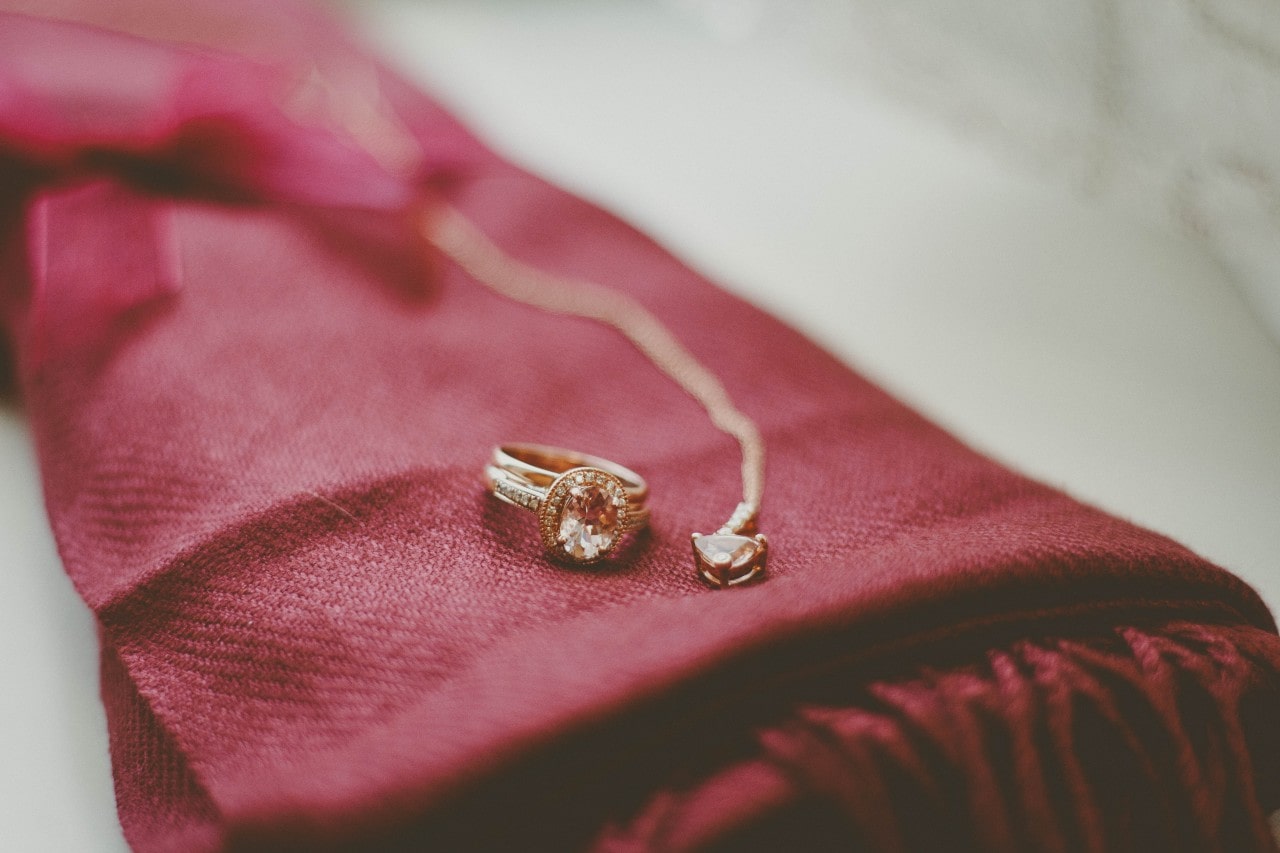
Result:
<point x="1167" y="107"/>
<point x="1104" y="357"/>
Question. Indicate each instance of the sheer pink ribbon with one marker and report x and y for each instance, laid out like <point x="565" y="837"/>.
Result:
<point x="100" y="132"/>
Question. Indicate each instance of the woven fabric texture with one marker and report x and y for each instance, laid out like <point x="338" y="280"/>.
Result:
<point x="319" y="632"/>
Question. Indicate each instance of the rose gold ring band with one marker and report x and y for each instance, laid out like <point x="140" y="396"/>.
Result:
<point x="540" y="465"/>
<point x="585" y="504"/>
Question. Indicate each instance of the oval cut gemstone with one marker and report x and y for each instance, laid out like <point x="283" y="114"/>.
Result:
<point x="588" y="522"/>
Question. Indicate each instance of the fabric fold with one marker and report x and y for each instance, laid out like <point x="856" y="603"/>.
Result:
<point x="101" y="132"/>
<point x="319" y="633"/>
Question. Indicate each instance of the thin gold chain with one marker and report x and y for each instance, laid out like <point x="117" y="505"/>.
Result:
<point x="455" y="235"/>
<point x="364" y="113"/>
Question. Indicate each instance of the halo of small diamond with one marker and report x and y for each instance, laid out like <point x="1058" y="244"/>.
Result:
<point x="549" y="513"/>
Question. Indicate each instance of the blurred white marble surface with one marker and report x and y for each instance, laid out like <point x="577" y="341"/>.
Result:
<point x="1107" y="357"/>
<point x="1168" y="108"/>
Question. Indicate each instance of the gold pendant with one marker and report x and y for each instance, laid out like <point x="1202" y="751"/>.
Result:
<point x="731" y="555"/>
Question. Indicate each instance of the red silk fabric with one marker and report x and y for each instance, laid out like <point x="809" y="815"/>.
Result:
<point x="319" y="634"/>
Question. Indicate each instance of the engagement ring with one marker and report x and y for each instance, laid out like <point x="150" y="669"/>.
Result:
<point x="585" y="505"/>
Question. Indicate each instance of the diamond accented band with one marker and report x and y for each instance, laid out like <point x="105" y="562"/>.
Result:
<point x="585" y="505"/>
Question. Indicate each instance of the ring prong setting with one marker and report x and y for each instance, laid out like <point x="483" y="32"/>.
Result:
<point x="584" y="515"/>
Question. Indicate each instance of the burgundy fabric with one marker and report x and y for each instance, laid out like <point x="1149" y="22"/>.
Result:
<point x="166" y="120"/>
<point x="319" y="633"/>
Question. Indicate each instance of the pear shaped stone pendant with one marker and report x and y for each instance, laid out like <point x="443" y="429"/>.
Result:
<point x="727" y="559"/>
